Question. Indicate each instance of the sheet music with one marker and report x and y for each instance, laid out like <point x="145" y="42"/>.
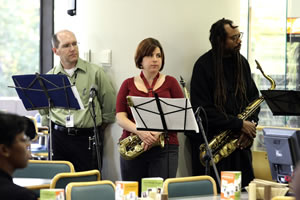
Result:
<point x="178" y="113"/>
<point x="77" y="96"/>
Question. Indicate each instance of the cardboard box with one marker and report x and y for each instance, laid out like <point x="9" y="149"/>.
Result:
<point x="231" y="184"/>
<point x="127" y="190"/>
<point x="152" y="185"/>
<point x="52" y="194"/>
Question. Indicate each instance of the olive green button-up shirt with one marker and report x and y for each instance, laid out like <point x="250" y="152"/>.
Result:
<point x="85" y="76"/>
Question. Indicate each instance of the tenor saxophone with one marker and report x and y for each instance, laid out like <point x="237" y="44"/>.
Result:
<point x="225" y="143"/>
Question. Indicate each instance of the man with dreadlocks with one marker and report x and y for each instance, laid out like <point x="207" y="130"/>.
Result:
<point x="222" y="85"/>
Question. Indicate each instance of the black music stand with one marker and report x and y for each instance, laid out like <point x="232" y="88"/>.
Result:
<point x="46" y="91"/>
<point x="163" y="115"/>
<point x="283" y="102"/>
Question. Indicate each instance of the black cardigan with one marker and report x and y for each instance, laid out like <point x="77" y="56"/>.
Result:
<point x="202" y="94"/>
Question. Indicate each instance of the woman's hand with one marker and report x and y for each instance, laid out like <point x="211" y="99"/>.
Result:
<point x="148" y="137"/>
<point x="156" y="135"/>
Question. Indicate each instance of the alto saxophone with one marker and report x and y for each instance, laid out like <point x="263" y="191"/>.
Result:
<point x="224" y="144"/>
<point x="132" y="146"/>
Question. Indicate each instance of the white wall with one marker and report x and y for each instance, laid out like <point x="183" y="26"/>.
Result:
<point x="182" y="27"/>
<point x="15" y="105"/>
<point x="293" y="8"/>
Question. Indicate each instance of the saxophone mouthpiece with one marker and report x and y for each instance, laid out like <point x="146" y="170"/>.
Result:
<point x="258" y="65"/>
<point x="129" y="101"/>
<point x="182" y="82"/>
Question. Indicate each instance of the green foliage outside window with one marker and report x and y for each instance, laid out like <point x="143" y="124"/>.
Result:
<point x="19" y="41"/>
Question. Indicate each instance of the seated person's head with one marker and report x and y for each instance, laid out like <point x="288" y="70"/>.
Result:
<point x="14" y="141"/>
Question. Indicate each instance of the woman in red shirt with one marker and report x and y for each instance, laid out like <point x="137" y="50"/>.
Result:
<point x="156" y="161"/>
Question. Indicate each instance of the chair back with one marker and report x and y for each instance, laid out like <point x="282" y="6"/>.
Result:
<point x="190" y="186"/>
<point x="100" y="190"/>
<point x="44" y="169"/>
<point x="61" y="180"/>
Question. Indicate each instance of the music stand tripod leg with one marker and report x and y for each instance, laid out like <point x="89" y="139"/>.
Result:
<point x="165" y="127"/>
<point x="208" y="150"/>
<point x="96" y="137"/>
<point x="50" y="151"/>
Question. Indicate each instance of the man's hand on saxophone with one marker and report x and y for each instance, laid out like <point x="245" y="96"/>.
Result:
<point x="244" y="141"/>
<point x="247" y="134"/>
<point x="249" y="128"/>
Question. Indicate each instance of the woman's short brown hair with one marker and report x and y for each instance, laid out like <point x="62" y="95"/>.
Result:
<point x="146" y="48"/>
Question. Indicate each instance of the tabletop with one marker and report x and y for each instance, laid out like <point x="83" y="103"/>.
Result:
<point x="33" y="183"/>
<point x="244" y="196"/>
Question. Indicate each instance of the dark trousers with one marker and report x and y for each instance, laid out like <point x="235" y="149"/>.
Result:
<point x="79" y="149"/>
<point x="239" y="160"/>
<point x="156" y="162"/>
<point x="197" y="168"/>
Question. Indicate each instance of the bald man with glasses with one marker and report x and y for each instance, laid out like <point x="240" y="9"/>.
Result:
<point x="73" y="130"/>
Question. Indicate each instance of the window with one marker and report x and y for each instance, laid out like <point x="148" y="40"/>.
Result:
<point x="267" y="44"/>
<point x="274" y="40"/>
<point x="19" y="41"/>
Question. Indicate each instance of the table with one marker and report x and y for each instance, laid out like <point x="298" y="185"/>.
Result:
<point x="244" y="196"/>
<point x="33" y="183"/>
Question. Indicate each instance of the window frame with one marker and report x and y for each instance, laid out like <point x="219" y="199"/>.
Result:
<point x="46" y="32"/>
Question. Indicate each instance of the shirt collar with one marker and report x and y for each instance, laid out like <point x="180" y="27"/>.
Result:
<point x="80" y="65"/>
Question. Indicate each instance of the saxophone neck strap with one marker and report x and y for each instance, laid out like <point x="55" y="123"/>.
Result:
<point x="149" y="88"/>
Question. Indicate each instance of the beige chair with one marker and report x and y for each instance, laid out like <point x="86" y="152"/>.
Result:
<point x="261" y="165"/>
<point x="61" y="180"/>
<point x="190" y="186"/>
<point x="100" y="190"/>
<point x="283" y="198"/>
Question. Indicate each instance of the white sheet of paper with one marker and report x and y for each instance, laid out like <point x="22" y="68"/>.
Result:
<point x="77" y="96"/>
<point x="174" y="110"/>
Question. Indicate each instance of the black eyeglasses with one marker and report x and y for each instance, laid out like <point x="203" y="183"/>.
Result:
<point x="66" y="46"/>
<point x="236" y="37"/>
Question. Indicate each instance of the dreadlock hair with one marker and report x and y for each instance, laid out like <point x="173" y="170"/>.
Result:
<point x="218" y="37"/>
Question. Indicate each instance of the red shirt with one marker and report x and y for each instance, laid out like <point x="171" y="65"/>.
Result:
<point x="169" y="89"/>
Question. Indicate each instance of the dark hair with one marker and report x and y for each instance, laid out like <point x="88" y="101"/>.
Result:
<point x="217" y="38"/>
<point x="10" y="126"/>
<point x="218" y="34"/>
<point x="55" y="42"/>
<point x="146" y="48"/>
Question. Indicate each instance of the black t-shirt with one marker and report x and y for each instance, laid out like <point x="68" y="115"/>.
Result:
<point x="11" y="191"/>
